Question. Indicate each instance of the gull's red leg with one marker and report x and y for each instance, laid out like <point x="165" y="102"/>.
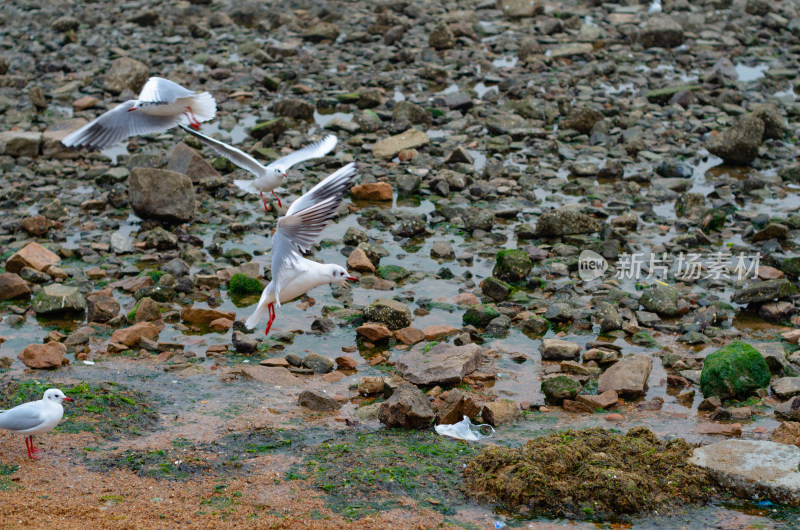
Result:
<point x="279" y="200"/>
<point x="271" y="311"/>
<point x="266" y="208"/>
<point x="194" y="123"/>
<point x="32" y="450"/>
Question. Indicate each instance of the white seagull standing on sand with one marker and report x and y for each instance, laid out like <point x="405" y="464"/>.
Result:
<point x="270" y="176"/>
<point x="162" y="105"/>
<point x="292" y="274"/>
<point x="35" y="417"/>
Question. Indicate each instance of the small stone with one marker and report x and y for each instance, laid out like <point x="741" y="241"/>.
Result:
<point x="378" y="191"/>
<point x="409" y="335"/>
<point x="131" y="335"/>
<point x="558" y="350"/>
<point x="318" y="363"/>
<point x="374" y="332"/>
<point x="499" y="412"/>
<point x="318" y="401"/>
<point x="370" y="385"/>
<point x="346" y="363"/>
<point x="358" y="261"/>
<point x="408" y="408"/>
<point x="32" y="255"/>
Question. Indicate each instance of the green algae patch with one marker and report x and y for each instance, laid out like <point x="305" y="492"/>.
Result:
<point x="512" y="265"/>
<point x="108" y="410"/>
<point x="241" y="284"/>
<point x="735" y="371"/>
<point x="589" y="473"/>
<point x="364" y="473"/>
<point x="479" y="316"/>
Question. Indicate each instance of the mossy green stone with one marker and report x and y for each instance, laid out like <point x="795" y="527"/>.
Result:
<point x="243" y="284"/>
<point x="512" y="265"/>
<point x="393" y="272"/>
<point x="479" y="316"/>
<point x="274" y="127"/>
<point x="713" y="220"/>
<point x="349" y="97"/>
<point x="557" y="389"/>
<point x="791" y="267"/>
<point x="735" y="371"/>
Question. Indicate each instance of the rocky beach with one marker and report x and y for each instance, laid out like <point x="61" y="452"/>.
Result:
<point x="574" y="221"/>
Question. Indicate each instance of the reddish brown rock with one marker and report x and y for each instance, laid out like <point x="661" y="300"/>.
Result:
<point x="788" y="433"/>
<point x="132" y="285"/>
<point x="195" y="315"/>
<point x="344" y="362"/>
<point x="438" y="331"/>
<point x="38" y="225"/>
<point x="221" y="324"/>
<point x="377" y="191"/>
<point x="605" y="400"/>
<point x="409" y="335"/>
<point x="274" y="362"/>
<point x="32" y="255"/>
<point x="374" y="332"/>
<point x="466" y="299"/>
<point x="12" y="286"/>
<point x="83" y="103"/>
<point x="724" y="429"/>
<point x="269" y="375"/>
<point x="453" y="405"/>
<point x="50" y="355"/>
<point x="576" y="406"/>
<point x="130" y="336"/>
<point x="358" y="261"/>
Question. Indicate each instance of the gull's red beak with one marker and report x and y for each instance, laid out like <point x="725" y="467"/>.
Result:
<point x="350" y="278"/>
<point x="131" y="109"/>
<point x="68" y="399"/>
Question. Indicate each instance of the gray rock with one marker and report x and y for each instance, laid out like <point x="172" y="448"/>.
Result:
<point x="608" y="317"/>
<point x="786" y="387"/>
<point x="753" y="469"/>
<point x="442" y="250"/>
<point x="318" y="363"/>
<point x="322" y="31"/>
<point x="442" y="38"/>
<point x="57" y="298"/>
<point x="582" y="120"/>
<point x="293" y="108"/>
<point x="738" y="144"/>
<point x="183" y="159"/>
<point x="177" y="267"/>
<point x="627" y="377"/>
<point x="495" y="289"/>
<point x="661" y="31"/>
<point x="514" y="9"/>
<point x="243" y="343"/>
<point x="317" y="401"/>
<point x="121" y="244"/>
<point x="499" y="325"/>
<point x="391" y="313"/>
<point x="20" y="143"/>
<point x="439" y="365"/>
<point x="559" y="350"/>
<point x="161" y="194"/>
<point x="661" y="299"/>
<point x="102" y="308"/>
<point x="389" y="147"/>
<point x="565" y="221"/>
<point x="764" y="291"/>
<point x="789" y="410"/>
<point x="774" y="122"/>
<point x="406" y="111"/>
<point x="125" y="73"/>
<point x="408" y="408"/>
<point x="161" y="239"/>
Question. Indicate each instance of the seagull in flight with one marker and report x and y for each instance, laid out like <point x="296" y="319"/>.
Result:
<point x="270" y="176"/>
<point x="35" y="417"/>
<point x="292" y="274"/>
<point x="161" y="105"/>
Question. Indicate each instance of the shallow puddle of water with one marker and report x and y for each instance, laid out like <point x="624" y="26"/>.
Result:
<point x="751" y="73"/>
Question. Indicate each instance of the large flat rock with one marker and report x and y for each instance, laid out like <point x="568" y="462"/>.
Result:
<point x="442" y="364"/>
<point x="627" y="377"/>
<point x="754" y="468"/>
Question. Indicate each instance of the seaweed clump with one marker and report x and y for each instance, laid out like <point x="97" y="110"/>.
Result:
<point x="589" y="473"/>
<point x="242" y="284"/>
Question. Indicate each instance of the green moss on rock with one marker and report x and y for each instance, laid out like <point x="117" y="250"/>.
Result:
<point x="735" y="371"/>
<point x="479" y="316"/>
<point x="512" y="265"/>
<point x="393" y="272"/>
<point x="557" y="389"/>
<point x="242" y="284"/>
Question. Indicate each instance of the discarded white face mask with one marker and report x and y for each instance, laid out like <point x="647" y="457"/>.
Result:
<point x="466" y="430"/>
